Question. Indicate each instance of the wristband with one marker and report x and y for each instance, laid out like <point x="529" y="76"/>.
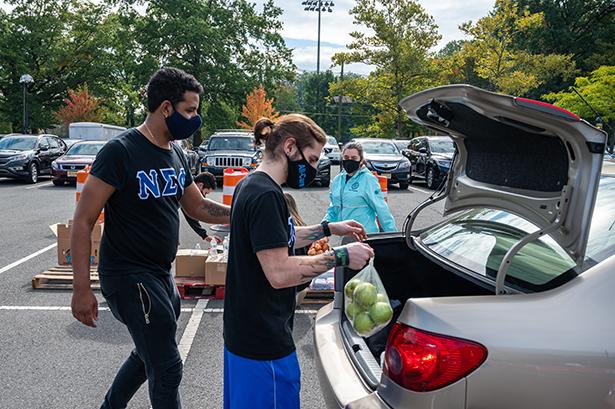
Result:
<point x="325" y="228"/>
<point x="341" y="256"/>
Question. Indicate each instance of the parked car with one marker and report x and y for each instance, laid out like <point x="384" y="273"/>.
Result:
<point x="28" y="156"/>
<point x="229" y="149"/>
<point x="431" y="158"/>
<point x="509" y="303"/>
<point x="383" y="157"/>
<point x="323" y="175"/>
<point x="79" y="155"/>
<point x="70" y="142"/>
<point x="332" y="150"/>
<point x="191" y="154"/>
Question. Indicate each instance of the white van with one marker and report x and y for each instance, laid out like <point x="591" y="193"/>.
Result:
<point x="93" y="131"/>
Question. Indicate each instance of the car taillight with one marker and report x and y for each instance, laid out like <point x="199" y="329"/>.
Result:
<point x="547" y="108"/>
<point x="423" y="361"/>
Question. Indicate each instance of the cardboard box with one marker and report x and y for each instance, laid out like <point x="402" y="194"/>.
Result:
<point x="215" y="270"/>
<point x="63" y="232"/>
<point x="190" y="263"/>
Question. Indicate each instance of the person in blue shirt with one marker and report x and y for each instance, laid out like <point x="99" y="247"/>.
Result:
<point x="356" y="195"/>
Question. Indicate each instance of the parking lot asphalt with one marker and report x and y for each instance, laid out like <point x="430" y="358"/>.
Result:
<point x="49" y="360"/>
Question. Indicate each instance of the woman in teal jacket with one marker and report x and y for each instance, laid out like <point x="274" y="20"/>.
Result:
<point x="356" y="195"/>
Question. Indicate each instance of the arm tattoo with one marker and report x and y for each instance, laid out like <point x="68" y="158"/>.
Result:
<point x="316" y="263"/>
<point x="311" y="233"/>
<point x="216" y="210"/>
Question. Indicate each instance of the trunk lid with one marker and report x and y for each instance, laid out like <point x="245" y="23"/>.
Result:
<point x="526" y="157"/>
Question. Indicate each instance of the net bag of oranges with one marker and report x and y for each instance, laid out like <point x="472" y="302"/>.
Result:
<point x="366" y="302"/>
<point x="319" y="247"/>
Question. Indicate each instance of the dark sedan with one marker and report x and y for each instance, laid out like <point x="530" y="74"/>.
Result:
<point x="431" y="158"/>
<point x="323" y="175"/>
<point x="28" y="156"/>
<point x="80" y="155"/>
<point x="383" y="157"/>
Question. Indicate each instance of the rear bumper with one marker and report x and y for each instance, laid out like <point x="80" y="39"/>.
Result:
<point x="340" y="384"/>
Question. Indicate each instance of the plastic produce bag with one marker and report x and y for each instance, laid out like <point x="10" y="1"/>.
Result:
<point x="366" y="302"/>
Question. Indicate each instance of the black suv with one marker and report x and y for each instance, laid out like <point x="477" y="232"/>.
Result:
<point x="28" y="156"/>
<point x="229" y="149"/>
<point x="431" y="158"/>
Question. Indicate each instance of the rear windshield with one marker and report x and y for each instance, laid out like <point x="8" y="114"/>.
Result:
<point x="85" y="149"/>
<point x="478" y="239"/>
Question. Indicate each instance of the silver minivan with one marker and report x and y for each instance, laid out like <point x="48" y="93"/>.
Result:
<point x="509" y="302"/>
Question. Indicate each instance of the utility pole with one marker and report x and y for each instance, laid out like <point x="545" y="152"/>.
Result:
<point x="339" y="108"/>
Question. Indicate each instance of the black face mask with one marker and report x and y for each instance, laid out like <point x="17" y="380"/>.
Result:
<point x="181" y="127"/>
<point x="351" y="166"/>
<point x="300" y="172"/>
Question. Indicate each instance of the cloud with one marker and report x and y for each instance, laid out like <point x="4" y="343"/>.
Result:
<point x="300" y="25"/>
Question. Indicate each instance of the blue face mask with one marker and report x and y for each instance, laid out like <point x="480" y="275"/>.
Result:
<point x="181" y="127"/>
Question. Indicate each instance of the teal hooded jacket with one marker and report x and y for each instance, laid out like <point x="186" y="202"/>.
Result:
<point x="359" y="199"/>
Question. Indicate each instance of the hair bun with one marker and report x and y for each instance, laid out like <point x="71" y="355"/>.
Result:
<point x="262" y="130"/>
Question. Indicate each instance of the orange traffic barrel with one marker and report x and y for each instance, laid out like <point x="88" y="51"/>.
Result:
<point x="232" y="176"/>
<point x="82" y="177"/>
<point x="384" y="185"/>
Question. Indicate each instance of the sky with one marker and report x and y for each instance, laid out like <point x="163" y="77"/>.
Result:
<point x="300" y="28"/>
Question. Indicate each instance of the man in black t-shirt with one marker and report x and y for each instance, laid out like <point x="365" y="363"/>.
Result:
<point x="142" y="179"/>
<point x="261" y="369"/>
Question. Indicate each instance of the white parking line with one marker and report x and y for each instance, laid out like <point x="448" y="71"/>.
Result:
<point x="418" y="189"/>
<point x="190" y="331"/>
<point x="38" y="186"/>
<point x="23" y="260"/>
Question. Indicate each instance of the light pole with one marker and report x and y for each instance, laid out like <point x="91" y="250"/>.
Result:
<point x="24" y="80"/>
<point x="319" y="6"/>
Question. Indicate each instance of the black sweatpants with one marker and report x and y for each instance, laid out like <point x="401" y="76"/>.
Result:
<point x="149" y="306"/>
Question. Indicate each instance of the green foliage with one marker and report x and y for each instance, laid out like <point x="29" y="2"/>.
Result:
<point x="598" y="89"/>
<point x="401" y="35"/>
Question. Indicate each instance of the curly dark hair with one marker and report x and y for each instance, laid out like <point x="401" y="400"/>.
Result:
<point x="207" y="179"/>
<point x="170" y="84"/>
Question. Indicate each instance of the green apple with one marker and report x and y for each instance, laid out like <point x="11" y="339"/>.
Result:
<point x="381" y="312"/>
<point x="352" y="309"/>
<point x="363" y="324"/>
<point x="381" y="298"/>
<point x="365" y="294"/>
<point x="350" y="286"/>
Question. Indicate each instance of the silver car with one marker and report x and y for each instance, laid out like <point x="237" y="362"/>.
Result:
<point x="509" y="302"/>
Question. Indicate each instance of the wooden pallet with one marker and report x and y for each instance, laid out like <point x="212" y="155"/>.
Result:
<point x="194" y="288"/>
<point x="61" y="278"/>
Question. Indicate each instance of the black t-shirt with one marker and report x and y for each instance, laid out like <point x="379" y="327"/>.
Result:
<point x="141" y="217"/>
<point x="258" y="318"/>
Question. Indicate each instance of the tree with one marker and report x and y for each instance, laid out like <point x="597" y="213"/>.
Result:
<point x="257" y="106"/>
<point x="402" y="35"/>
<point x="81" y="106"/>
<point x="598" y="89"/>
<point x="495" y="57"/>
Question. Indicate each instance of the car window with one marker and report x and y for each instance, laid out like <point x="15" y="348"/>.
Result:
<point x="601" y="243"/>
<point x="18" y="144"/>
<point x="43" y="143"/>
<point x="85" y="149"/>
<point x="478" y="240"/>
<point x="414" y="145"/>
<point x="52" y="143"/>
<point x="230" y="143"/>
<point x="331" y="140"/>
<point x="379" y="148"/>
<point x="441" y="145"/>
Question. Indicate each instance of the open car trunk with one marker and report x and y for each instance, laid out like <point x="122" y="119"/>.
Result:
<point x="405" y="273"/>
